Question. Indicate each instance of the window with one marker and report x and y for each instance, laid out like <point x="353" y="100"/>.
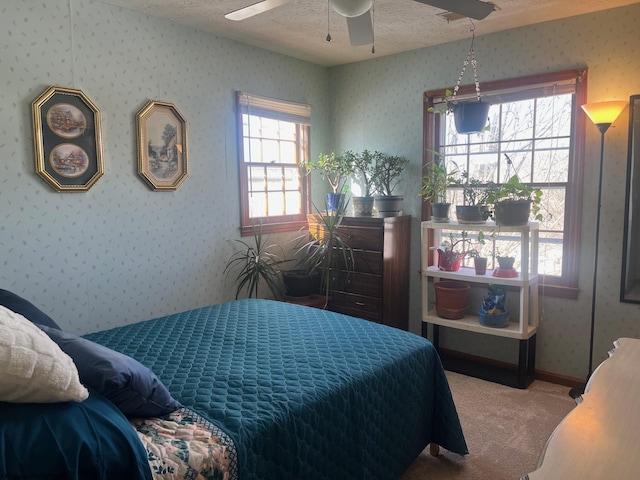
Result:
<point x="536" y="130"/>
<point x="274" y="190"/>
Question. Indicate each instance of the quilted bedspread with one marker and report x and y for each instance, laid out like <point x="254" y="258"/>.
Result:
<point x="303" y="393"/>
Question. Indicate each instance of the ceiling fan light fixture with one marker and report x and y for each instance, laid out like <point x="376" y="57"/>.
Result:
<point x="352" y="8"/>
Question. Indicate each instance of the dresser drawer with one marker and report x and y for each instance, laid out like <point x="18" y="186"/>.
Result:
<point x="366" y="261"/>
<point x="362" y="284"/>
<point x="364" y="238"/>
<point x="356" y="305"/>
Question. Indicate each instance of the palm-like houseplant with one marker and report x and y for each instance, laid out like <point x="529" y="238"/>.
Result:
<point x="323" y="251"/>
<point x="256" y="263"/>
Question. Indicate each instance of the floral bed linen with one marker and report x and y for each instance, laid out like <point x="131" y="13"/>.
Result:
<point x="185" y="446"/>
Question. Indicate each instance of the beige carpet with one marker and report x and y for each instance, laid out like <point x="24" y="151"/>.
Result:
<point x="505" y="428"/>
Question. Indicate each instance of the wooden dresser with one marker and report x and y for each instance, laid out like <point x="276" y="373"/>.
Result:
<point x="378" y="287"/>
<point x="599" y="439"/>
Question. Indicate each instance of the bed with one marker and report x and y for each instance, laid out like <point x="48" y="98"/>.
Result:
<point x="273" y="390"/>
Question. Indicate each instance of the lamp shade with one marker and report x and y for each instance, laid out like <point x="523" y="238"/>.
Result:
<point x="352" y="8"/>
<point x="604" y="112"/>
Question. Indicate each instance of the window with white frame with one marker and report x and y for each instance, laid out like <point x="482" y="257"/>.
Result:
<point x="274" y="191"/>
<point x="535" y="130"/>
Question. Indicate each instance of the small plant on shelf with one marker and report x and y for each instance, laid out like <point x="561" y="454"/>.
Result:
<point x="452" y="251"/>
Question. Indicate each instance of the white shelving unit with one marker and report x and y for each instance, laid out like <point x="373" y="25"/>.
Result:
<point x="527" y="316"/>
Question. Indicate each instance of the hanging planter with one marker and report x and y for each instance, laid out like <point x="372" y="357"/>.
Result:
<point x="470" y="116"/>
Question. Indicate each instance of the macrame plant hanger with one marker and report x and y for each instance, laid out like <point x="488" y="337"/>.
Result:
<point x="470" y="117"/>
<point x="471" y="58"/>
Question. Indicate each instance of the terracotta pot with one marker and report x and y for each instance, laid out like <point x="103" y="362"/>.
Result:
<point x="451" y="299"/>
<point x="449" y="261"/>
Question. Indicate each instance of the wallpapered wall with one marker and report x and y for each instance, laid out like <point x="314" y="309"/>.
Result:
<point x="376" y="105"/>
<point x="120" y="252"/>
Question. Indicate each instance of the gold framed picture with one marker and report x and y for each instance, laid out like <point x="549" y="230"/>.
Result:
<point x="162" y="145"/>
<point x="67" y="138"/>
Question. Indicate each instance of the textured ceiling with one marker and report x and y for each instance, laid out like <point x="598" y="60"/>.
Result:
<point x="299" y="28"/>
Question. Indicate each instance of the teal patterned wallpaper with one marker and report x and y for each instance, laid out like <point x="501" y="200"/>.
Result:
<point x="121" y="253"/>
<point x="376" y="105"/>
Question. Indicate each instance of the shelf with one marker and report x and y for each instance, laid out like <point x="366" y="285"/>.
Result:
<point x="481" y="227"/>
<point x="471" y="323"/>
<point x="526" y="282"/>
<point x="469" y="275"/>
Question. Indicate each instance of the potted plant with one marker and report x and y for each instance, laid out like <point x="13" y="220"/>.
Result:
<point x="335" y="169"/>
<point x="322" y="251"/>
<point x="434" y="188"/>
<point x="479" y="262"/>
<point x="449" y="257"/>
<point x="493" y="312"/>
<point x="256" y="263"/>
<point x="387" y="171"/>
<point x="364" y="168"/>
<point x="474" y="208"/>
<point x="513" y="202"/>
<point x="470" y="116"/>
<point x="451" y="298"/>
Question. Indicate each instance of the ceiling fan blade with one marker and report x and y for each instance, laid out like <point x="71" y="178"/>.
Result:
<point x="360" y="29"/>
<point x="469" y="8"/>
<point x="255" y="9"/>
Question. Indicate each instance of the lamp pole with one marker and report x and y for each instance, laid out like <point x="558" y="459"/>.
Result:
<point x="602" y="114"/>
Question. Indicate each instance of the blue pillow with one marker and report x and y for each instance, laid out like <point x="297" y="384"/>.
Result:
<point x="131" y="386"/>
<point x="29" y="311"/>
<point x="70" y="440"/>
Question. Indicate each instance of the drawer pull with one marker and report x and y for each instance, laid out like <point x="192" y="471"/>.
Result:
<point x="360" y="304"/>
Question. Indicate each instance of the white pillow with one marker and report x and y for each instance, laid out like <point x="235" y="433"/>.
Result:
<point x="33" y="369"/>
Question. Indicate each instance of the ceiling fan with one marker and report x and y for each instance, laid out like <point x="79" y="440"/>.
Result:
<point x="358" y="13"/>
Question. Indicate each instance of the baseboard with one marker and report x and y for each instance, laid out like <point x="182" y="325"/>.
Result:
<point x="538" y="374"/>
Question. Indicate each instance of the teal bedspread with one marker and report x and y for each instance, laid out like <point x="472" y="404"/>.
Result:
<point x="303" y="393"/>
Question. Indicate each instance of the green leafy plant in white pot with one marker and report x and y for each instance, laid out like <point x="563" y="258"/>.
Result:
<point x="364" y="168"/>
<point x="388" y="169"/>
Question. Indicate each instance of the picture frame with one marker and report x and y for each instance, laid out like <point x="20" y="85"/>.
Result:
<point x="162" y="145"/>
<point x="67" y="135"/>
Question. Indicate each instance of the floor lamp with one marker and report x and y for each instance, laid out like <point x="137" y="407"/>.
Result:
<point x="602" y="114"/>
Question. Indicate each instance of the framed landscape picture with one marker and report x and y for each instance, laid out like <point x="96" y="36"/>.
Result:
<point x="67" y="139"/>
<point x="162" y="145"/>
